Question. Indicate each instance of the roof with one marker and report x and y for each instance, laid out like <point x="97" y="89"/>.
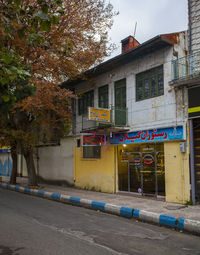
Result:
<point x="156" y="43"/>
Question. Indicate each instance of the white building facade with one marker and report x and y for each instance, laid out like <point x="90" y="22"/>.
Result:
<point x="143" y="150"/>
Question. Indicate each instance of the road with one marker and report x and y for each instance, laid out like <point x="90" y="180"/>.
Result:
<point x="32" y="225"/>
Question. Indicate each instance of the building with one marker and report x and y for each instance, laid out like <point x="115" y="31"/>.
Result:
<point x="129" y="124"/>
<point x="186" y="78"/>
<point x="5" y="162"/>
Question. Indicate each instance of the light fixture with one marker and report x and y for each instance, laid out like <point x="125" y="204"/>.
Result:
<point x="124" y="145"/>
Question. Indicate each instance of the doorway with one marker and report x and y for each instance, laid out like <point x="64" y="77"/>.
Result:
<point x="141" y="169"/>
<point x="196" y="135"/>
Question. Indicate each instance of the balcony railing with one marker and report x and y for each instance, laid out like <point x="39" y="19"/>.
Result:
<point x="119" y="118"/>
<point x="186" y="66"/>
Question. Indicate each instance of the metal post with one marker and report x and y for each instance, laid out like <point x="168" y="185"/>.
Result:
<point x="155" y="171"/>
<point x="129" y="183"/>
<point x="142" y="172"/>
<point x="192" y="170"/>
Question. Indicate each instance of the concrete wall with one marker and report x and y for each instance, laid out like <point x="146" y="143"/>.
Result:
<point x="21" y="165"/>
<point x="194" y="24"/>
<point x="96" y="174"/>
<point x="56" y="162"/>
<point x="177" y="178"/>
<point x="5" y="163"/>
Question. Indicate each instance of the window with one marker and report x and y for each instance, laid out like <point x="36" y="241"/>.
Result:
<point x="78" y="142"/>
<point x="149" y="84"/>
<point x="85" y="101"/>
<point x="103" y="96"/>
<point x="91" y="151"/>
<point x="120" y="103"/>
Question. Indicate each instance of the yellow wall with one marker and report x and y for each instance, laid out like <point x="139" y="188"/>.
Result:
<point x="177" y="178"/>
<point x="96" y="174"/>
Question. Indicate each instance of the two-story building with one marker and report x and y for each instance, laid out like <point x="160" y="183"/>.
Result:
<point x="129" y="124"/>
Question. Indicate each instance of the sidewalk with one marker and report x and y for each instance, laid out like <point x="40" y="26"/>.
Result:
<point x="120" y="200"/>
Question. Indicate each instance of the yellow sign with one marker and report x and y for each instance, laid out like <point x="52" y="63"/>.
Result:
<point x="194" y="109"/>
<point x="4" y="149"/>
<point x="99" y="114"/>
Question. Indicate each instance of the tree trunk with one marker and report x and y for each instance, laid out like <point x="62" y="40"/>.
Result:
<point x="14" y="160"/>
<point x="32" y="178"/>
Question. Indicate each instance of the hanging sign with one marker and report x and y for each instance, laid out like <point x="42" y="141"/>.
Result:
<point x="91" y="139"/>
<point x="148" y="159"/>
<point x="99" y="114"/>
<point x="154" y="135"/>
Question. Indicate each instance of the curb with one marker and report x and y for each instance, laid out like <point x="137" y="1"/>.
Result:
<point x="183" y="224"/>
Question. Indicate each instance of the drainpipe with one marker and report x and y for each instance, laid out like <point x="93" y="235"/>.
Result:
<point x="192" y="170"/>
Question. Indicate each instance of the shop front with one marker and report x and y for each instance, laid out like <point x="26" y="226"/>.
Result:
<point x="194" y="121"/>
<point x="141" y="169"/>
<point x="5" y="162"/>
<point x="147" y="163"/>
<point x="141" y="160"/>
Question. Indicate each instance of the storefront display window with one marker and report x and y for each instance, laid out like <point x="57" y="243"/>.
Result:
<point x="141" y="169"/>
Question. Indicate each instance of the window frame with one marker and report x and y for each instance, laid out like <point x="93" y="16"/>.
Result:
<point x="85" y="101"/>
<point x="103" y="91"/>
<point x="91" y="152"/>
<point x="146" y="78"/>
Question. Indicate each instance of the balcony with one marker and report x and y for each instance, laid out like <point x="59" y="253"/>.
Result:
<point x="186" y="70"/>
<point x="118" y="123"/>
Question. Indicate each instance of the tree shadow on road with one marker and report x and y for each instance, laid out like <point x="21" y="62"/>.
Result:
<point x="8" y="251"/>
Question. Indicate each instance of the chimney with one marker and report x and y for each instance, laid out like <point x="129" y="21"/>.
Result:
<point x="129" y="43"/>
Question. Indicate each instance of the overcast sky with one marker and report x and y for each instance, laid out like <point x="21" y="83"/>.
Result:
<point x="153" y="17"/>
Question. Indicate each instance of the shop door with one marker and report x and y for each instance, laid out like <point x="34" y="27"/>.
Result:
<point x="120" y="103"/>
<point x="148" y="172"/>
<point x="134" y="172"/>
<point x="143" y="172"/>
<point x="160" y="173"/>
<point x="196" y="125"/>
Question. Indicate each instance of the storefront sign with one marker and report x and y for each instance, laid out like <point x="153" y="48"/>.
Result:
<point x="4" y="149"/>
<point x="154" y="135"/>
<point x="99" y="114"/>
<point x="93" y="139"/>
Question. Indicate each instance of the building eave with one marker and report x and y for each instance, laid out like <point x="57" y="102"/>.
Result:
<point x="157" y="43"/>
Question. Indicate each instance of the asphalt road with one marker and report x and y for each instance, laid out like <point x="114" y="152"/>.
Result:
<point x="32" y="225"/>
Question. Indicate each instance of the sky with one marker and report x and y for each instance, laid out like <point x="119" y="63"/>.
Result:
<point x="153" y="17"/>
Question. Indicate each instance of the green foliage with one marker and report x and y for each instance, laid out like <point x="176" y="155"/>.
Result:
<point x="189" y="202"/>
<point x="14" y="80"/>
<point x="29" y="23"/>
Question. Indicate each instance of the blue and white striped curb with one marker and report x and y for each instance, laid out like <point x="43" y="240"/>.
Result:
<point x="191" y="226"/>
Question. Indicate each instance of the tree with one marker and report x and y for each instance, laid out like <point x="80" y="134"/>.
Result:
<point x="43" y="42"/>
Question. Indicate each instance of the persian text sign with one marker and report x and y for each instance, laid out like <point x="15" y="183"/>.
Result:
<point x="93" y="139"/>
<point x="99" y="114"/>
<point x="154" y="135"/>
